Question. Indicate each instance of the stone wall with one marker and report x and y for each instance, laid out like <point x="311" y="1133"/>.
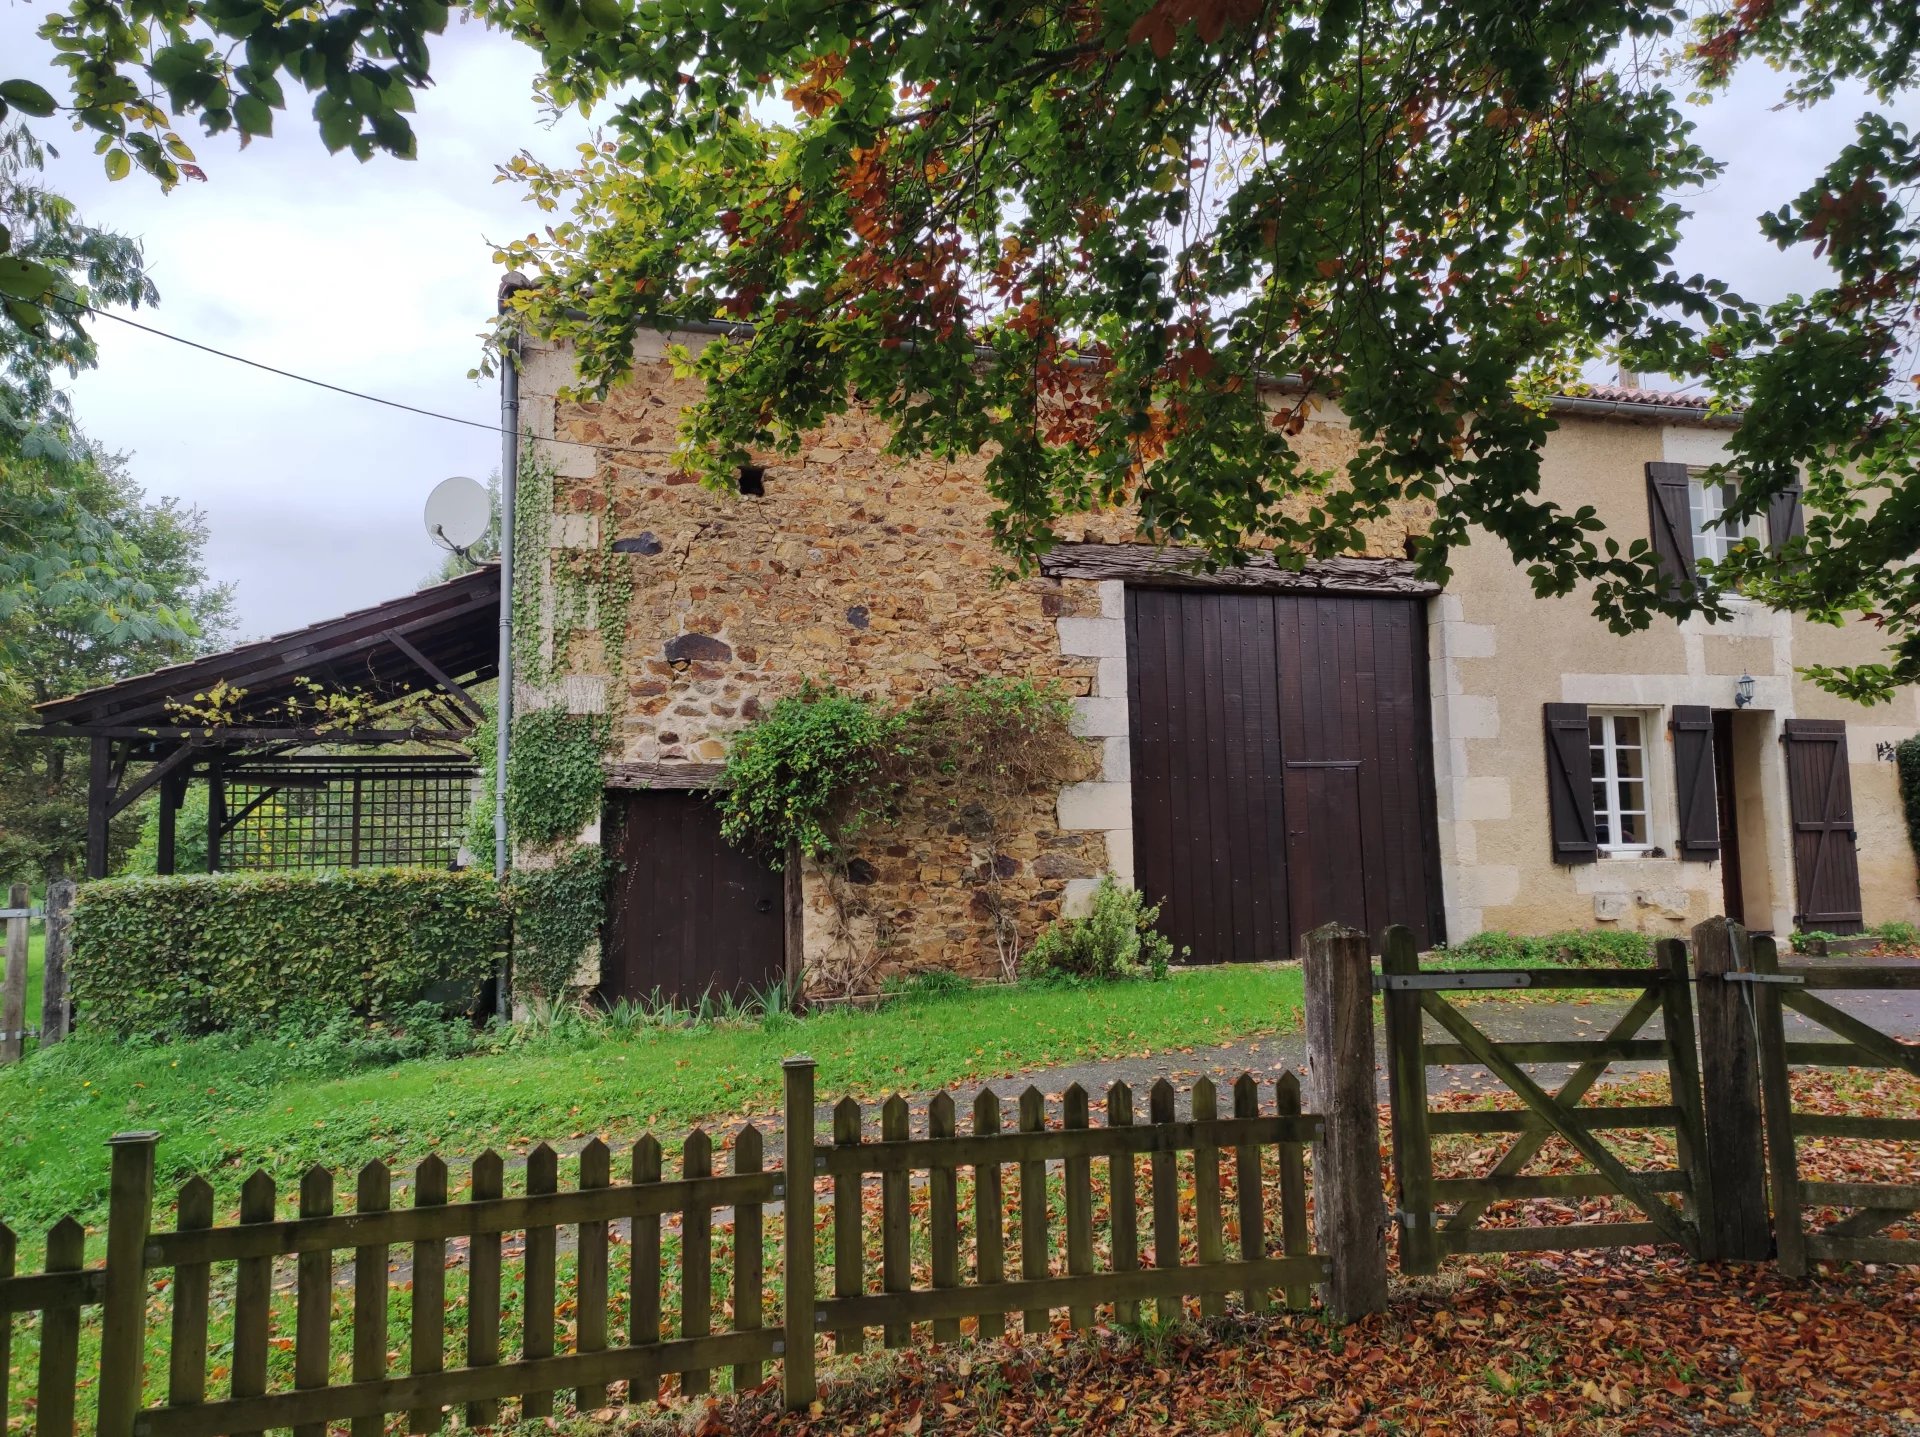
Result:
<point x="851" y="569"/>
<point x="878" y="576"/>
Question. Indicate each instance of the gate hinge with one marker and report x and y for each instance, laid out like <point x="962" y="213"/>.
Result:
<point x="1404" y="982"/>
<point x="1791" y="980"/>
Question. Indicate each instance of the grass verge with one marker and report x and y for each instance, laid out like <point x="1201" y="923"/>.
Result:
<point x="229" y="1104"/>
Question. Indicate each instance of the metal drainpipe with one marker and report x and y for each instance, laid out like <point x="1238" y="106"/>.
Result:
<point x="503" y="699"/>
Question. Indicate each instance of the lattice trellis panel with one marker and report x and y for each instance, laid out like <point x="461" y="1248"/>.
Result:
<point x="296" y="816"/>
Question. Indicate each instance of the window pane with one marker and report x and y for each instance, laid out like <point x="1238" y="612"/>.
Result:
<point x="1596" y="730"/>
<point x="1626" y="729"/>
<point x="1633" y="796"/>
<point x="1631" y="763"/>
<point x="1603" y="828"/>
<point x="1633" y="828"/>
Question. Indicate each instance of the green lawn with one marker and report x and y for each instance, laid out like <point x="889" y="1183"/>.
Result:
<point x="224" y="1106"/>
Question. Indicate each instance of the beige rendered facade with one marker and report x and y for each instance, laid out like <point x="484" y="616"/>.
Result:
<point x="878" y="576"/>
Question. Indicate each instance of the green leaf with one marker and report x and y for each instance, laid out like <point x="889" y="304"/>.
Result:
<point x="253" y="116"/>
<point x="26" y="96"/>
<point x="24" y="278"/>
<point x="119" y="166"/>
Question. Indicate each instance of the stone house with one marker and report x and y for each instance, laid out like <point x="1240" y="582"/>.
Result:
<point x="1266" y="750"/>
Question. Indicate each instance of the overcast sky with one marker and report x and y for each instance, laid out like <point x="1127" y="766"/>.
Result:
<point x="380" y="277"/>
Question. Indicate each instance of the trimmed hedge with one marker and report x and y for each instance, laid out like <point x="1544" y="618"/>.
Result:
<point x="186" y="955"/>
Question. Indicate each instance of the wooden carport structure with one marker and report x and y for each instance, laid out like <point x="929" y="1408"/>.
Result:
<point x="408" y="666"/>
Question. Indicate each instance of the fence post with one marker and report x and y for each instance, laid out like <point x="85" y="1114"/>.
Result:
<point x="13" y="982"/>
<point x="123" y="1316"/>
<point x="1775" y="1081"/>
<point x="796" y="1367"/>
<point x="1349" y="1209"/>
<point x="1683" y="1077"/>
<point x="1737" y="1228"/>
<point x="1407" y="1083"/>
<point x="56" y="1011"/>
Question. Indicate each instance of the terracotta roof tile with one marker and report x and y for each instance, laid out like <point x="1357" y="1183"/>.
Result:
<point x="1621" y="394"/>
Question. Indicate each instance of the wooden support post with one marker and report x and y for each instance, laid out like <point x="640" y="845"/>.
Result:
<point x="1349" y="1209"/>
<point x="1407" y="1082"/>
<point x="216" y="810"/>
<point x="13" y="979"/>
<point x="123" y="1302"/>
<point x="99" y="796"/>
<point x="1737" y="1228"/>
<point x="56" y="1008"/>
<point x="797" y="1379"/>
<point x="166" y="858"/>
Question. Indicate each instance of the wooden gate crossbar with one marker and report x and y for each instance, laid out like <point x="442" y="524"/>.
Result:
<point x="1412" y="997"/>
<point x="1877" y="1206"/>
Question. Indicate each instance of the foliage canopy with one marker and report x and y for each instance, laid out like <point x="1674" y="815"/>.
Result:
<point x="1078" y="238"/>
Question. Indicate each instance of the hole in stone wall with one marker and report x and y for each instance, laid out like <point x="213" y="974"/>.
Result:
<point x="753" y="480"/>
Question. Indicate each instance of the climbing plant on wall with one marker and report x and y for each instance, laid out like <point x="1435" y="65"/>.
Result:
<point x="555" y="777"/>
<point x="823" y="767"/>
<point x="563" y="590"/>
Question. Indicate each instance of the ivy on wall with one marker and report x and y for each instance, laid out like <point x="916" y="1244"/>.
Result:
<point x="821" y="767"/>
<point x="555" y="778"/>
<point x="557" y="913"/>
<point x="562" y="591"/>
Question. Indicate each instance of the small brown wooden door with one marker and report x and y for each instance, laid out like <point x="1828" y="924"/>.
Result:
<point x="1282" y="767"/>
<point x="1826" y="869"/>
<point x="688" y="913"/>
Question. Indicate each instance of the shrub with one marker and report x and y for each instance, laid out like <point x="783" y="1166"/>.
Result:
<point x="1576" y="947"/>
<point x="1115" y="940"/>
<point x="1906" y="756"/>
<point x="188" y="955"/>
<point x="808" y="773"/>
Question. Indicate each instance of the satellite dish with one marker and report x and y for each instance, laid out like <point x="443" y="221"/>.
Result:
<point x="459" y="513"/>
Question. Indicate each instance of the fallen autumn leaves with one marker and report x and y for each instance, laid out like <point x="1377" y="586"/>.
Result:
<point x="1590" y="1344"/>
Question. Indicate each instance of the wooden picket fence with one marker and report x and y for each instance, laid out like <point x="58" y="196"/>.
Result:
<point x="1265" y="1144"/>
<point x="17" y="918"/>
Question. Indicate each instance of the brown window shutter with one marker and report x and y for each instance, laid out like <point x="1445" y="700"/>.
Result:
<point x="1570" y="784"/>
<point x="1785" y="519"/>
<point x="1692" y="729"/>
<point x="1670" y="522"/>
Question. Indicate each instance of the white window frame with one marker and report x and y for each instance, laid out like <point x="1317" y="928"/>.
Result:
<point x="1610" y="813"/>
<point x="1706" y="502"/>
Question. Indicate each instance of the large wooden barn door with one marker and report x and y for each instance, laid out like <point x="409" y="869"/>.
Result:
<point x="1826" y="869"/>
<point x="688" y="913"/>
<point x="1282" y="767"/>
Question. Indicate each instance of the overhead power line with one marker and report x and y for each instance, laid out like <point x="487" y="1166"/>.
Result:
<point x="340" y="388"/>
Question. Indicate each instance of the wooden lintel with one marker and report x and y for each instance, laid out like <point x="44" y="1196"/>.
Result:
<point x="1184" y="568"/>
<point x="663" y="775"/>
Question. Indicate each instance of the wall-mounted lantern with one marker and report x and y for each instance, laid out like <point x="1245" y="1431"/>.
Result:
<point x="1743" y="691"/>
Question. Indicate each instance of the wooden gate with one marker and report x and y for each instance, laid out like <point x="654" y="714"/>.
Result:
<point x="1826" y="870"/>
<point x="1876" y="1206"/>
<point x="689" y="915"/>
<point x="1427" y="1234"/>
<point x="1282" y="767"/>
